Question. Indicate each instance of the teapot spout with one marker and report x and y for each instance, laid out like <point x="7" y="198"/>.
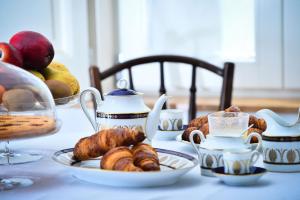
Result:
<point x="153" y="117"/>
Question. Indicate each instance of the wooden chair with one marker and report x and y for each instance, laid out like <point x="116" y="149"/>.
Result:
<point x="226" y="73"/>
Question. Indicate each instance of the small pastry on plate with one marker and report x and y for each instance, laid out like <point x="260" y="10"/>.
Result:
<point x="145" y="157"/>
<point x="120" y="159"/>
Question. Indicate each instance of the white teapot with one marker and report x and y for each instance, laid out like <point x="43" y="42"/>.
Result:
<point x="123" y="108"/>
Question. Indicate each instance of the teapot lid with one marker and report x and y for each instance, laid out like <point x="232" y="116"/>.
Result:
<point x="122" y="89"/>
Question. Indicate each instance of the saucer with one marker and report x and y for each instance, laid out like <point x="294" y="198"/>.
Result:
<point x="167" y="135"/>
<point x="240" y="180"/>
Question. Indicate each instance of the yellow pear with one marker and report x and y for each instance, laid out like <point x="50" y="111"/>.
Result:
<point x="59" y="72"/>
<point x="58" y="66"/>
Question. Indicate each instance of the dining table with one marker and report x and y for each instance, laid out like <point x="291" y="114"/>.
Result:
<point x="55" y="181"/>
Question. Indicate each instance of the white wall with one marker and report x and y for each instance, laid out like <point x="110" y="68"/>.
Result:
<point x="291" y="26"/>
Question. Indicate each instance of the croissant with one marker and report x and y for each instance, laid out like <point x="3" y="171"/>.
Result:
<point x="198" y="122"/>
<point x="145" y="157"/>
<point x="119" y="158"/>
<point x="186" y="134"/>
<point x="251" y="130"/>
<point x="258" y="123"/>
<point x="101" y="142"/>
<point x="233" y="109"/>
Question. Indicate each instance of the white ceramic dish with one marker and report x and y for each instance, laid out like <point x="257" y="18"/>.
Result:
<point x="173" y="166"/>
<point x="281" y="143"/>
<point x="167" y="135"/>
<point x="240" y="180"/>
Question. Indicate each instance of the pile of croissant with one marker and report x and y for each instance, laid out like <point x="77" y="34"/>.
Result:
<point x="121" y="149"/>
<point x="201" y="123"/>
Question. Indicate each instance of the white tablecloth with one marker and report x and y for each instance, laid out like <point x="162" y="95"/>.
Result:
<point x="53" y="181"/>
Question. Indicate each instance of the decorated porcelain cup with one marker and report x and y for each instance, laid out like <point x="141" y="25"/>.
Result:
<point x="239" y="161"/>
<point x="210" y="150"/>
<point x="171" y="120"/>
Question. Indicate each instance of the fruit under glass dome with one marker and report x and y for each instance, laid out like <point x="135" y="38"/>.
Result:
<point x="27" y="108"/>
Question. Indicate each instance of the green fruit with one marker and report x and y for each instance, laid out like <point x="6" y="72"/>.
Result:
<point x="48" y="72"/>
<point x="37" y="74"/>
<point x="58" y="89"/>
<point x="18" y="100"/>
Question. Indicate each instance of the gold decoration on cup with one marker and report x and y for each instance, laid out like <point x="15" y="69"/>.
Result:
<point x="165" y="124"/>
<point x="209" y="161"/>
<point x="272" y="155"/>
<point x="291" y="156"/>
<point x="236" y="167"/>
<point x="179" y="124"/>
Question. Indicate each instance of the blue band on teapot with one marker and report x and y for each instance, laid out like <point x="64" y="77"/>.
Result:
<point x="122" y="116"/>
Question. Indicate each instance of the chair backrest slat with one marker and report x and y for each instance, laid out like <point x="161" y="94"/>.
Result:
<point x="193" y="89"/>
<point x="131" y="86"/>
<point x="162" y="89"/>
<point x="226" y="92"/>
<point x="226" y="73"/>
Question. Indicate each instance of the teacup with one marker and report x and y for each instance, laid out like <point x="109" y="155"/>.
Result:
<point x="171" y="120"/>
<point x="239" y="161"/>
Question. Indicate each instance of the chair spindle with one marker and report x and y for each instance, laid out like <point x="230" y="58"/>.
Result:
<point x="192" y="107"/>
<point x="162" y="89"/>
<point x="130" y="79"/>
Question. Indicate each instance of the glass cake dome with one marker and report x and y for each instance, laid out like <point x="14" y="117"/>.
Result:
<point x="27" y="108"/>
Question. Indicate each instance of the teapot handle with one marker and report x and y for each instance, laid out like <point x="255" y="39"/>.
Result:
<point x="258" y="136"/>
<point x="202" y="137"/>
<point x="96" y="94"/>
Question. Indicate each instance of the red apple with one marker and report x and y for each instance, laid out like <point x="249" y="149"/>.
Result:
<point x="10" y="54"/>
<point x="36" y="50"/>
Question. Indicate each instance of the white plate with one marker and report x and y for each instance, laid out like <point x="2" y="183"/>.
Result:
<point x="240" y="180"/>
<point x="173" y="165"/>
<point x="167" y="135"/>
